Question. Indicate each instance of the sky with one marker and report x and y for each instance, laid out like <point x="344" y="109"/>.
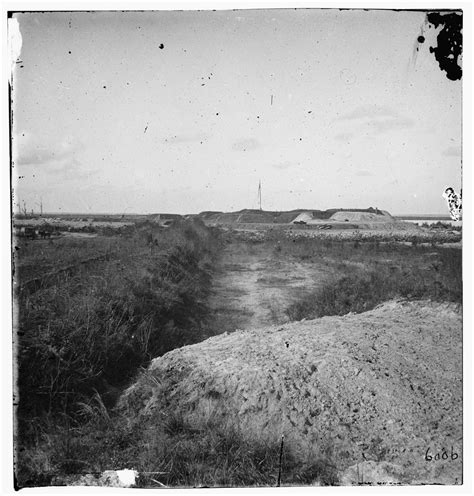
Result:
<point x="186" y="111"/>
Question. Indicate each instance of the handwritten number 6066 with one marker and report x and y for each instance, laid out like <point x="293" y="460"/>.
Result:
<point x="441" y="455"/>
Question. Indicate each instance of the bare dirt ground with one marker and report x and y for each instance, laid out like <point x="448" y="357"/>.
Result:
<point x="253" y="287"/>
<point x="378" y="394"/>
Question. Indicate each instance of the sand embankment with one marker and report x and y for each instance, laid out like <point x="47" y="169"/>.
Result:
<point x="371" y="392"/>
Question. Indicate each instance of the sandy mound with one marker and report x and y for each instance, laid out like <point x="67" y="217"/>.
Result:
<point x="361" y="217"/>
<point x="380" y="387"/>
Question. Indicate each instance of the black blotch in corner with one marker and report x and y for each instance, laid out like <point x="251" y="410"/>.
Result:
<point x="449" y="42"/>
<point x="161" y="46"/>
<point x="421" y="39"/>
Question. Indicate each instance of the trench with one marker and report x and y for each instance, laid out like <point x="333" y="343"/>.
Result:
<point x="254" y="284"/>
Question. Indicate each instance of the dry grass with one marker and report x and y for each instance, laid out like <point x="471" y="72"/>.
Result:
<point x="174" y="451"/>
<point x="82" y="339"/>
<point x="368" y="274"/>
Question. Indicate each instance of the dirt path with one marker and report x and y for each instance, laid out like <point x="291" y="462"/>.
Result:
<point x="254" y="285"/>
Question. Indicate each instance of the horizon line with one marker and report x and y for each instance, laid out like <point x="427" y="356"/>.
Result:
<point x="137" y="214"/>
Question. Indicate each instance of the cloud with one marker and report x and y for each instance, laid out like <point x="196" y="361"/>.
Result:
<point x="186" y="138"/>
<point x="29" y="149"/>
<point x="380" y="119"/>
<point x="247" y="144"/>
<point x="369" y="112"/>
<point x="343" y="136"/>
<point x="452" y="151"/>
<point x="61" y="158"/>
<point x="283" y="165"/>
<point x="72" y="169"/>
<point x="381" y="126"/>
<point x="363" y="173"/>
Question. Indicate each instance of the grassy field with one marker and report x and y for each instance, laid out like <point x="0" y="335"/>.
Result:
<point x="365" y="274"/>
<point x="84" y="335"/>
<point x="272" y="281"/>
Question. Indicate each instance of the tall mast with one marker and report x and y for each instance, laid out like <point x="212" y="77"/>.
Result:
<point x="260" y="194"/>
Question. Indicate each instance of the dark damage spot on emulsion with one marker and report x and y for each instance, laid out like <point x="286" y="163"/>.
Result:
<point x="449" y="40"/>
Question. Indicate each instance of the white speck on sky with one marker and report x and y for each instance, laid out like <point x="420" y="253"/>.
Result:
<point x="186" y="111"/>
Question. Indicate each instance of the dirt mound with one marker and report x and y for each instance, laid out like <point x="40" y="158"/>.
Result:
<point x="383" y="387"/>
<point x="249" y="216"/>
<point x="348" y="216"/>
